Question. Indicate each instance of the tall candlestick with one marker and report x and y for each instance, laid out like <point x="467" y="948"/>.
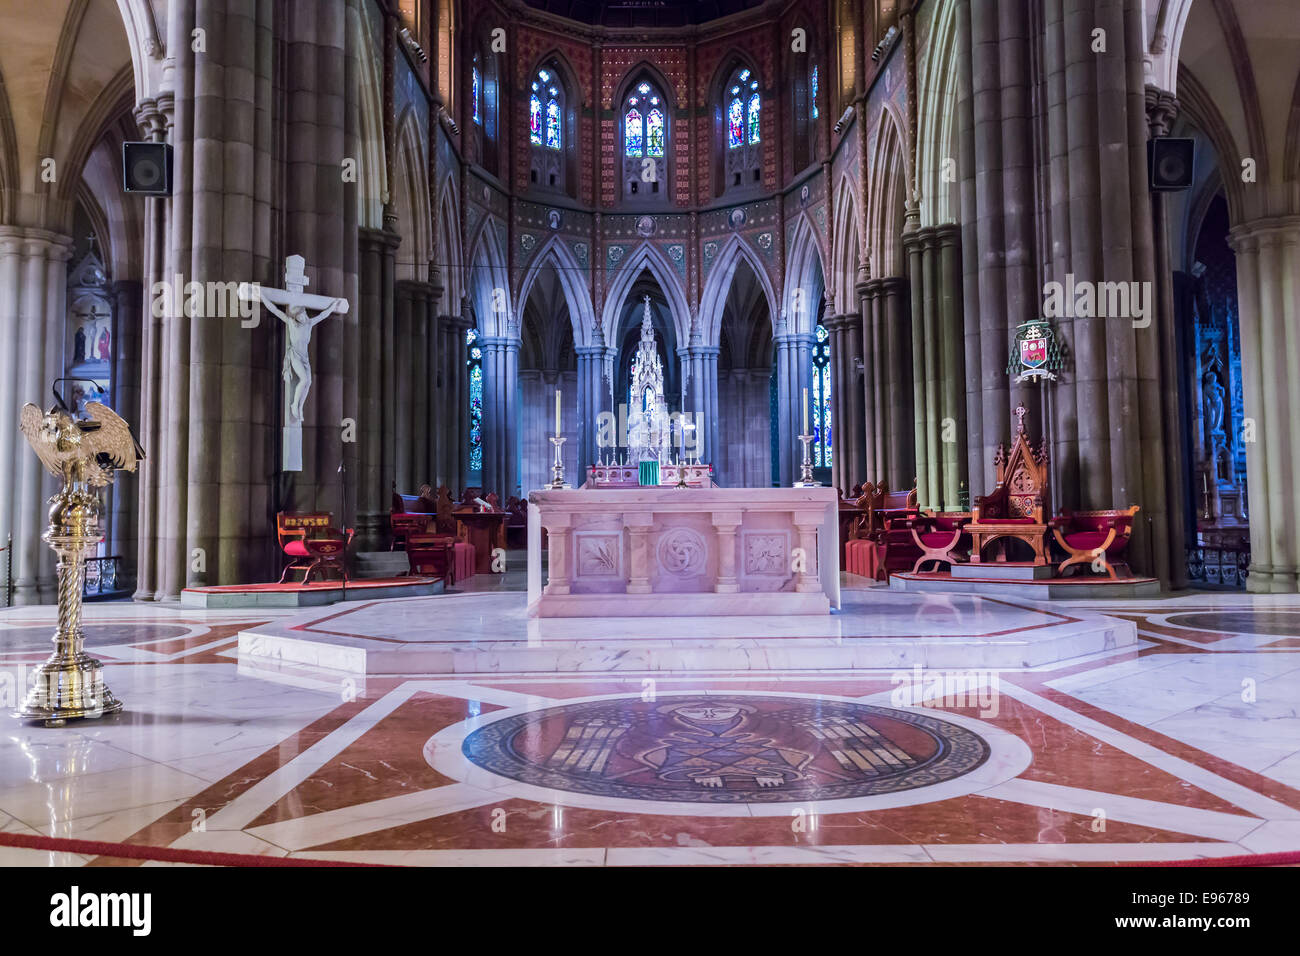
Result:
<point x="557" y="413"/>
<point x="805" y="411"/>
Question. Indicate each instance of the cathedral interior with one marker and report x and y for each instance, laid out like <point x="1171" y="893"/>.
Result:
<point x="413" y="293"/>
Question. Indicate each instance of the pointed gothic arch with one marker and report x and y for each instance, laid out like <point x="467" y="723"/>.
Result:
<point x="717" y="287"/>
<point x="887" y="189"/>
<point x="805" y="279"/>
<point x="646" y="257"/>
<point x="845" y="248"/>
<point x="556" y="253"/>
<point x="488" y="285"/>
<point x="411" y="201"/>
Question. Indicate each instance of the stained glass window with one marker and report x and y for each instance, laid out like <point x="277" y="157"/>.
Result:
<point x="535" y="119"/>
<point x="476" y="93"/>
<point x="634" y="133"/>
<point x="654" y="126"/>
<point x="552" y="124"/>
<point x="813" y="88"/>
<point x="821" y="399"/>
<point x="743" y="111"/>
<point x="735" y="123"/>
<point x="475" y="363"/>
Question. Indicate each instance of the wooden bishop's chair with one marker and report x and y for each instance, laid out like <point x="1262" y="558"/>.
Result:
<point x="313" y="544"/>
<point x="1015" y="507"/>
<point x="1094" y="538"/>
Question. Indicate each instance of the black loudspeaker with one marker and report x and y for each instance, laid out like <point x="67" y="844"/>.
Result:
<point x="147" y="168"/>
<point x="1169" y="163"/>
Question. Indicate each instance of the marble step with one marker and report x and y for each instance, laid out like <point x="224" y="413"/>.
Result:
<point x="379" y="564"/>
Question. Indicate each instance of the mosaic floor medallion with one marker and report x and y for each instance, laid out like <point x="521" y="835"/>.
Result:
<point x="1280" y="623"/>
<point x="726" y="749"/>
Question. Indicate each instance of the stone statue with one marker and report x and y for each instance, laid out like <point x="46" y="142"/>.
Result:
<point x="1213" y="393"/>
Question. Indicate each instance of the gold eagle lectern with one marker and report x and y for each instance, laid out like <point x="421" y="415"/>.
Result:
<point x="84" y="453"/>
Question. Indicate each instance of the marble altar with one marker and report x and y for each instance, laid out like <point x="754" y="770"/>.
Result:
<point x="683" y="551"/>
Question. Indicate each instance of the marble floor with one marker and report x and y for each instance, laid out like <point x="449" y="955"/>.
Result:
<point x="1177" y="737"/>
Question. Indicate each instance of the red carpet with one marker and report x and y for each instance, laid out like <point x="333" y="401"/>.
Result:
<point x="357" y="585"/>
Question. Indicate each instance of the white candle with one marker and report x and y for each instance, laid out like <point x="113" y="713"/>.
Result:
<point x="805" y="411"/>
<point x="557" y="413"/>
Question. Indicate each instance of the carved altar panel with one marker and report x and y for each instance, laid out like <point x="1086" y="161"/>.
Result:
<point x="599" y="554"/>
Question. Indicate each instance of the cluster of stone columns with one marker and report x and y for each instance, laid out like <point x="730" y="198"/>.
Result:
<point x="700" y="370"/>
<point x="212" y="388"/>
<point x="1268" y="262"/>
<point x="1105" y="417"/>
<point x="938" y="365"/>
<point x="793" y="375"/>
<point x="33" y="290"/>
<point x="500" y="413"/>
<point x="451" y="439"/>
<point x="594" y="397"/>
<point x="889" y="431"/>
<point x="848" y="454"/>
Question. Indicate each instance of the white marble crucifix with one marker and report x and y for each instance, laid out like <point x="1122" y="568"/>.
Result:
<point x="297" y="362"/>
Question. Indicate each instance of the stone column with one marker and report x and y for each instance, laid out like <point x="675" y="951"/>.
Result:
<point x="1268" y="263"/>
<point x="938" y="366"/>
<point x="725" y="524"/>
<point x="637" y="526"/>
<point x="376" y="419"/>
<point x="33" y="292"/>
<point x="125" y="491"/>
<point x="787" y="466"/>
<point x="873" y="431"/>
<point x="807" y="523"/>
<point x="155" y="120"/>
<point x="899" y="466"/>
<point x="591" y="360"/>
<point x="558" y="539"/>
<point x="500" y="414"/>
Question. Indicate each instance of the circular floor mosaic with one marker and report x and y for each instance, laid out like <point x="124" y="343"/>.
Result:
<point x="1279" y="623"/>
<point x="726" y="749"/>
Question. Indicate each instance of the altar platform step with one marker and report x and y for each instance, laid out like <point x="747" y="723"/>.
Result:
<point x="492" y="633"/>
<point x="1010" y="580"/>
<point x="316" y="594"/>
<point x="380" y="564"/>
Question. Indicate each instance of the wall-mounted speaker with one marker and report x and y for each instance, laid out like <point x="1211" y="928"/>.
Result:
<point x="147" y="168"/>
<point x="1169" y="163"/>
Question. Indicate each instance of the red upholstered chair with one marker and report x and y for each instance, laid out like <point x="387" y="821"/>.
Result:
<point x="312" y="544"/>
<point x="1092" y="536"/>
<point x="941" y="537"/>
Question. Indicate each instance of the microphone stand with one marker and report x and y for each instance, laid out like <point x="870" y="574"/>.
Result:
<point x="343" y="512"/>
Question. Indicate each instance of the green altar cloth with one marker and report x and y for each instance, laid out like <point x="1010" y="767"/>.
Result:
<point x="649" y="473"/>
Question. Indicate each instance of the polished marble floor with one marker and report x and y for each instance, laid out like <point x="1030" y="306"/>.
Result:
<point x="1181" y="743"/>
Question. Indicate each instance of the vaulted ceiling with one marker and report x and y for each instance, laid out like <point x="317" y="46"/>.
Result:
<point x="643" y="13"/>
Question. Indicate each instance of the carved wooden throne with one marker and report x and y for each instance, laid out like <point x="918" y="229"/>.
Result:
<point x="1015" y="507"/>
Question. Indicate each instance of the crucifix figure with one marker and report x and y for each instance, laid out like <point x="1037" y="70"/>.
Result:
<point x="299" y="321"/>
<point x="1021" y="412"/>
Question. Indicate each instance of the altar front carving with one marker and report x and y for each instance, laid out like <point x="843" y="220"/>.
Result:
<point x="683" y="551"/>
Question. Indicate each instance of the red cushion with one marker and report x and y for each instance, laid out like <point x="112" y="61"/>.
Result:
<point x="1084" y="540"/>
<point x="934" y="539"/>
<point x="296" y="549"/>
